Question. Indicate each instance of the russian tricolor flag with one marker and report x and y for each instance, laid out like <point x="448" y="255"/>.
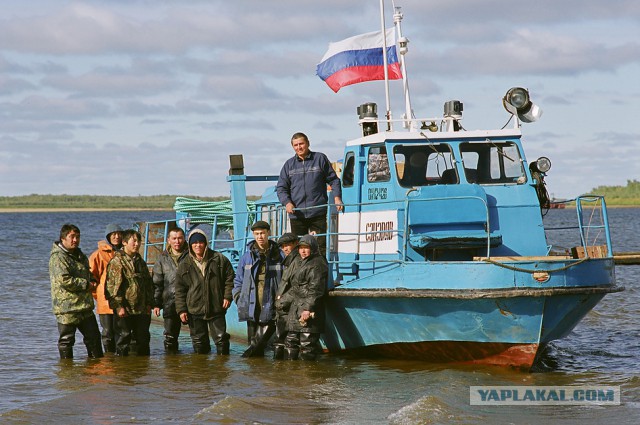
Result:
<point x="358" y="59"/>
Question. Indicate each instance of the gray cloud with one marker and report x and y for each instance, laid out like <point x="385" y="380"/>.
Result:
<point x="195" y="81"/>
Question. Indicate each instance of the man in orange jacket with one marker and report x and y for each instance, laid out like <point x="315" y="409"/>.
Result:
<point x="98" y="265"/>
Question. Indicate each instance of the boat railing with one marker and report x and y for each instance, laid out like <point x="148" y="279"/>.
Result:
<point x="592" y="226"/>
<point x="402" y="231"/>
<point x="598" y="209"/>
<point x="219" y="233"/>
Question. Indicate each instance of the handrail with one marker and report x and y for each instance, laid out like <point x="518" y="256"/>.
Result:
<point x="276" y="213"/>
<point x="401" y="232"/>
<point x="584" y="229"/>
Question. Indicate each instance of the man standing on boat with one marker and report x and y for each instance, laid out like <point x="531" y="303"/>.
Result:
<point x="204" y="283"/>
<point x="98" y="264"/>
<point x="71" y="286"/>
<point x="164" y="275"/>
<point x="302" y="186"/>
<point x="254" y="291"/>
<point x="129" y="289"/>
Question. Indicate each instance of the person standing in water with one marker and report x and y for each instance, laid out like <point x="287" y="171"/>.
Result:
<point x="71" y="286"/>
<point x="164" y="276"/>
<point x="98" y="264"/>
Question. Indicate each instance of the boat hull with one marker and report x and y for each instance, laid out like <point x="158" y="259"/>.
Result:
<point x="493" y="325"/>
<point x="496" y="327"/>
<point x="520" y="356"/>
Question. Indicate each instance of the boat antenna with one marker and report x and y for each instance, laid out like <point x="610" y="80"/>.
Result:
<point x="386" y="70"/>
<point x="403" y="43"/>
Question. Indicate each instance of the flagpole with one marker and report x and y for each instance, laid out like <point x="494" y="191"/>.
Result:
<point x="403" y="44"/>
<point x="385" y="63"/>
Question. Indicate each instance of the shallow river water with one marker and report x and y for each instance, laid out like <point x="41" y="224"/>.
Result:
<point x="186" y="388"/>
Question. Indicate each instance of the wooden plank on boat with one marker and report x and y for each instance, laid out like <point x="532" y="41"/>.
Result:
<point x="596" y="251"/>
<point x="525" y="258"/>
<point x="619" y="258"/>
<point x="626" y="258"/>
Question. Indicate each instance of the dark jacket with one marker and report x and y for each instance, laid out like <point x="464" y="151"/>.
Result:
<point x="129" y="284"/>
<point x="304" y="182"/>
<point x="164" y="275"/>
<point x="245" y="286"/>
<point x="308" y="288"/>
<point x="202" y="295"/>
<point x="70" y="291"/>
<point x="283" y="294"/>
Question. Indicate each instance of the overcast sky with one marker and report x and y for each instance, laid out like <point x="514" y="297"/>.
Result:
<point x="150" y="97"/>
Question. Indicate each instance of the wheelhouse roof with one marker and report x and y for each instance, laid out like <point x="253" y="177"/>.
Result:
<point x="381" y="137"/>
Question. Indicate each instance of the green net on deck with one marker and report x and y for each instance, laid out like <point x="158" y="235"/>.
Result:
<point x="204" y="211"/>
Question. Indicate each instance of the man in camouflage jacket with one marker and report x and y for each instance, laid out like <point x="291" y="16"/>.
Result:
<point x="129" y="290"/>
<point x="71" y="286"/>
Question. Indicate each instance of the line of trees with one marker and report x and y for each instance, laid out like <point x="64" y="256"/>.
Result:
<point x="34" y="201"/>
<point x="614" y="195"/>
<point x="620" y="195"/>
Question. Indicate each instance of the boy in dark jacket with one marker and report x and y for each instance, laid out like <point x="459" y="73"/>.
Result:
<point x="164" y="275"/>
<point x="305" y="320"/>
<point x="259" y="273"/>
<point x="288" y="243"/>
<point x="204" y="282"/>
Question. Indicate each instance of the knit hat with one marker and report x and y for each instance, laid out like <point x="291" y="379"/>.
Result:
<point x="112" y="227"/>
<point x="197" y="237"/>
<point x="287" y="238"/>
<point x="261" y="225"/>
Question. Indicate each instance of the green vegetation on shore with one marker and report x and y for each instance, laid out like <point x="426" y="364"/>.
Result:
<point x="155" y="202"/>
<point x="628" y="195"/>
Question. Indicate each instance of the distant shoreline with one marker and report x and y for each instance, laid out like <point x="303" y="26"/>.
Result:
<point x="54" y="210"/>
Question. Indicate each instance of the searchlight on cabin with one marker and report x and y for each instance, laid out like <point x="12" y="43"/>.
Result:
<point x="542" y="164"/>
<point x="517" y="102"/>
<point x="368" y="118"/>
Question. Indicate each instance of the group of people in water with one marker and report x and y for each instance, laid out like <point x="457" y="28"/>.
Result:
<point x="278" y="286"/>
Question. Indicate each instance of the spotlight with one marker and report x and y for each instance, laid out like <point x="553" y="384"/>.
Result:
<point x="517" y="102"/>
<point x="543" y="164"/>
<point x="368" y="115"/>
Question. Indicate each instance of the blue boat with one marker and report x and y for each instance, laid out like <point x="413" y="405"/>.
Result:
<point x="440" y="253"/>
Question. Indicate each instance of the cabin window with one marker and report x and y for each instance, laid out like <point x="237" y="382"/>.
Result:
<point x="423" y="165"/>
<point x="347" y="173"/>
<point x="492" y="162"/>
<point x="378" y="165"/>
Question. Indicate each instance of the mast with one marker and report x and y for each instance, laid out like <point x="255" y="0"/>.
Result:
<point x="403" y="44"/>
<point x="385" y="63"/>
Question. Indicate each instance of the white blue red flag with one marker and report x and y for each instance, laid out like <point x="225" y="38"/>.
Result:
<point x="358" y="59"/>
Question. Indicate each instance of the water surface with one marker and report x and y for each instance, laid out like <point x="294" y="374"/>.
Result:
<point x="38" y="388"/>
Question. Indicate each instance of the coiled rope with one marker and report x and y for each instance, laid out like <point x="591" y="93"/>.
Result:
<point x="205" y="211"/>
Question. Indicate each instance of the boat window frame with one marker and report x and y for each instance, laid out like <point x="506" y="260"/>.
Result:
<point x="483" y="168"/>
<point x="421" y="166"/>
<point x="348" y="172"/>
<point x="378" y="169"/>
